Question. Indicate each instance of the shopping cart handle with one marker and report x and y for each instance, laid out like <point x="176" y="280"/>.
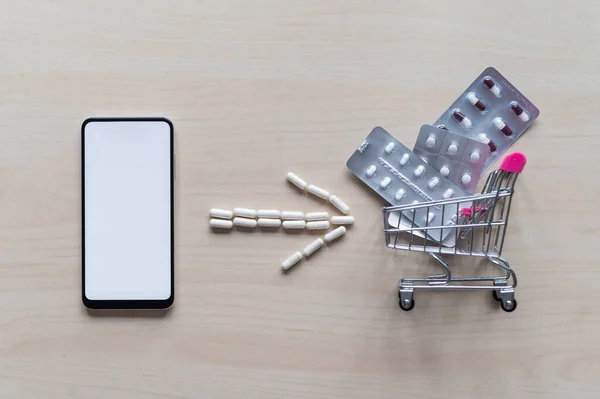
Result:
<point x="514" y="162"/>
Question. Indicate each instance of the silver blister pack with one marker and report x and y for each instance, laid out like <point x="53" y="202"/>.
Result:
<point x="492" y="111"/>
<point x="401" y="177"/>
<point x="458" y="158"/>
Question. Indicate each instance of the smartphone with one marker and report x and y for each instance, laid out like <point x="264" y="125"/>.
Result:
<point x="127" y="181"/>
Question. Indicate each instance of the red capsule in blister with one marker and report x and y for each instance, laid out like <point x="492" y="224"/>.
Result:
<point x="461" y="118"/>
<point x="502" y="126"/>
<point x="494" y="88"/>
<point x="476" y="102"/>
<point x="518" y="110"/>
<point x="486" y="140"/>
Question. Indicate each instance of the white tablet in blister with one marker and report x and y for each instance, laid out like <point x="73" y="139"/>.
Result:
<point x="127" y="214"/>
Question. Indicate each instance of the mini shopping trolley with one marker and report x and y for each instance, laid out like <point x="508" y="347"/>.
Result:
<point x="478" y="228"/>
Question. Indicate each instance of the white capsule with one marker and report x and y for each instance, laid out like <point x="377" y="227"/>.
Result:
<point x="243" y="222"/>
<point x="312" y="216"/>
<point x="433" y="183"/>
<point x="404" y="160"/>
<point x="483" y="138"/>
<point x="297" y="181"/>
<point x="385" y="183"/>
<point x="444" y="170"/>
<point x="220" y="213"/>
<point x="466" y="179"/>
<point x="318" y="191"/>
<point x="390" y="148"/>
<point x="244" y="212"/>
<point x="313" y="247"/>
<point x="291" y="261"/>
<point x="342" y="220"/>
<point x="292" y="215"/>
<point x="467" y="122"/>
<point x="420" y="171"/>
<point x="269" y="214"/>
<point x="430" y="217"/>
<point x="333" y="234"/>
<point x="449" y="194"/>
<point x="294" y="224"/>
<point x="400" y="194"/>
<point x="318" y="225"/>
<point x="269" y="222"/>
<point x="371" y="170"/>
<point x="430" y="142"/>
<point x="472" y="98"/>
<point x="220" y="223"/>
<point x="452" y="148"/>
<point x="474" y="157"/>
<point x="499" y="123"/>
<point x="339" y="204"/>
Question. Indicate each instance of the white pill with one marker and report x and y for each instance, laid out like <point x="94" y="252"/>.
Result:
<point x="269" y="222"/>
<point x="404" y="160"/>
<point x="312" y="247"/>
<point x="430" y="217"/>
<point x="296" y="181"/>
<point x="342" y="220"/>
<point x="445" y="170"/>
<point x="499" y="123"/>
<point x="474" y="157"/>
<point x="269" y="214"/>
<point x="221" y="213"/>
<point x="244" y="212"/>
<point x="449" y="194"/>
<point x="339" y="204"/>
<point x="312" y="216"/>
<point x="433" y="183"/>
<point x="318" y="191"/>
<point x="466" y="179"/>
<point x="371" y="170"/>
<point x="385" y="183"/>
<point x="390" y="148"/>
<point x="220" y="223"/>
<point x="291" y="261"/>
<point x="294" y="224"/>
<point x="400" y="194"/>
<point x="420" y="171"/>
<point x="318" y="225"/>
<point x="292" y="215"/>
<point x="430" y="142"/>
<point x="243" y="222"/>
<point x="452" y="148"/>
<point x="483" y="138"/>
<point x="333" y="234"/>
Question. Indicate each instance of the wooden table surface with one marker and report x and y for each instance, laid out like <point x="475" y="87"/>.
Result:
<point x="256" y="89"/>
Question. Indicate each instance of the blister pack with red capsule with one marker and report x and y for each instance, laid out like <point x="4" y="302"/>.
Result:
<point x="491" y="111"/>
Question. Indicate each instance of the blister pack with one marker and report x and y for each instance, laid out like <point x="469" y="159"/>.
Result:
<point x="401" y="177"/>
<point x="492" y="111"/>
<point x="458" y="158"/>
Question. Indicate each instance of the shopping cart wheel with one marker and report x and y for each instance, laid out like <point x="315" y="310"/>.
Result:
<point x="406" y="307"/>
<point x="509" y="308"/>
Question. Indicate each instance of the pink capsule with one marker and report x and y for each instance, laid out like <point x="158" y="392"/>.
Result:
<point x="494" y="88"/>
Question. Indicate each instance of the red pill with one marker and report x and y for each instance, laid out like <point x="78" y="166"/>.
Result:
<point x="476" y="102"/>
<point x="518" y="110"/>
<point x="492" y="86"/>
<point x="502" y="126"/>
<point x="461" y="118"/>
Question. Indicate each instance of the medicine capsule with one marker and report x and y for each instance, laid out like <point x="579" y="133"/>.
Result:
<point x="404" y="160"/>
<point x="476" y="102"/>
<point x="390" y="148"/>
<point x="474" y="157"/>
<point x="453" y="148"/>
<point x="297" y="181"/>
<point x="466" y="179"/>
<point x="292" y="215"/>
<point x="449" y="194"/>
<point x="244" y="212"/>
<point x="318" y="192"/>
<point x="486" y="140"/>
<point x="291" y="261"/>
<point x="220" y="213"/>
<point x="445" y="170"/>
<point x="294" y="224"/>
<point x="400" y="194"/>
<point x="371" y="170"/>
<point x="318" y="225"/>
<point x="269" y="222"/>
<point x="312" y="216"/>
<point x="420" y="171"/>
<point x="518" y="110"/>
<point x="313" y="247"/>
<point x="339" y="204"/>
<point x="461" y="118"/>
<point x="220" y="223"/>
<point x="268" y="214"/>
<point x="334" y="234"/>
<point x="503" y="127"/>
<point x="342" y="220"/>
<point x="433" y="183"/>
<point x="494" y="88"/>
<point x="430" y="142"/>
<point x="385" y="183"/>
<point x="244" y="222"/>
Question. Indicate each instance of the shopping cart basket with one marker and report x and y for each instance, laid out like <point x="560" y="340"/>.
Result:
<point x="478" y="229"/>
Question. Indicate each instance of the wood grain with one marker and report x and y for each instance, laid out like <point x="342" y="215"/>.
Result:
<point x="258" y="88"/>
